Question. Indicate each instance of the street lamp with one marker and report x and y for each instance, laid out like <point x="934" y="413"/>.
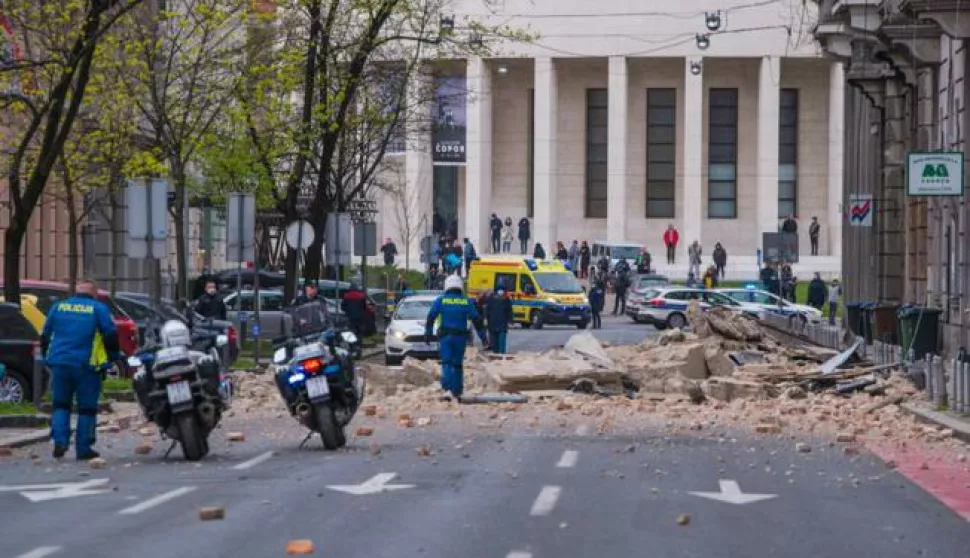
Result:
<point x="712" y="20"/>
<point x="695" y="68"/>
<point x="703" y="41"/>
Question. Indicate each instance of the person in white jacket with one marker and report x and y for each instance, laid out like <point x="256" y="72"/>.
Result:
<point x="508" y="236"/>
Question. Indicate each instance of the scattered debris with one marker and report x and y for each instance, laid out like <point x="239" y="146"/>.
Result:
<point x="97" y="463"/>
<point x="845" y="437"/>
<point x="146" y="431"/>
<point x="6" y="452"/>
<point x="421" y="422"/>
<point x="370" y="410"/>
<point x="423" y="450"/>
<point x="364" y="431"/>
<point x="237" y="437"/>
<point x="683" y="519"/>
<point x="299" y="547"/>
<point x="212" y="514"/>
<point x="802" y="447"/>
<point x="143" y="448"/>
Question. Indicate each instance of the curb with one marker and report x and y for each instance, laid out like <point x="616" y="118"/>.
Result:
<point x="24" y="421"/>
<point x="43" y="435"/>
<point x="960" y="428"/>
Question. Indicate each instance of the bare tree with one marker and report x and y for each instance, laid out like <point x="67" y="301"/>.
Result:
<point x="409" y="216"/>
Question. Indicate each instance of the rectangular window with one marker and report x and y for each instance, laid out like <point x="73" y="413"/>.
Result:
<point x="788" y="153"/>
<point x="722" y="154"/>
<point x="531" y="180"/>
<point x="597" y="120"/>
<point x="661" y="152"/>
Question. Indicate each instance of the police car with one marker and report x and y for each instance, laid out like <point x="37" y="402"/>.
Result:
<point x="667" y="307"/>
<point x="774" y="304"/>
<point x="404" y="336"/>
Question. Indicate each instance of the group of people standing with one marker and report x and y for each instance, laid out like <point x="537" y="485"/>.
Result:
<point x="503" y="235"/>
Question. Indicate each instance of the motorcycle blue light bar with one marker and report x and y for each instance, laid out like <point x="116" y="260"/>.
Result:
<point x="297" y="378"/>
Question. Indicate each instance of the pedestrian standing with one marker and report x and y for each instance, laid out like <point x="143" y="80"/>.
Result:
<point x="644" y="261"/>
<point x="525" y="233"/>
<point x="561" y="253"/>
<point x="584" y="258"/>
<point x="498" y="316"/>
<point x="789" y="225"/>
<point x="720" y="259"/>
<point x="470" y="255"/>
<point x="574" y="257"/>
<point x="597" y="299"/>
<point x="389" y="249"/>
<point x="813" y="232"/>
<point x="354" y="306"/>
<point x="670" y="238"/>
<point x="694" y="253"/>
<point x="507" y="236"/>
<point x="620" y="285"/>
<point x="210" y="304"/>
<point x="495" y="225"/>
<point x="539" y="253"/>
<point x="80" y="340"/>
<point x="835" y="291"/>
<point x="402" y="283"/>
<point x="817" y="292"/>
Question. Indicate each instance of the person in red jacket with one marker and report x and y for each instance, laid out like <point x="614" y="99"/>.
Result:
<point x="671" y="236"/>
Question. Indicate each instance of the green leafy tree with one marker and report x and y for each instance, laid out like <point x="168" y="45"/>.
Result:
<point x="42" y="90"/>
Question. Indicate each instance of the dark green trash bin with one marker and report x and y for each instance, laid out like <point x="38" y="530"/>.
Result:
<point x="853" y="311"/>
<point x="919" y="330"/>
<point x="866" y="321"/>
<point x="885" y="324"/>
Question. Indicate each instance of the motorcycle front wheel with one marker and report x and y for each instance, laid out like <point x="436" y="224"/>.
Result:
<point x="331" y="434"/>
<point x="194" y="444"/>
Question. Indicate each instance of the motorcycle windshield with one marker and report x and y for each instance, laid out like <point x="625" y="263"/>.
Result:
<point x="306" y="319"/>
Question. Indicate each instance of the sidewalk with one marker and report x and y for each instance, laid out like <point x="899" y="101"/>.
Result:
<point x="20" y="437"/>
<point x="924" y="411"/>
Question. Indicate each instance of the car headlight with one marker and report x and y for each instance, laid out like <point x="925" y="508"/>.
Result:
<point x="397" y="334"/>
<point x="349" y="337"/>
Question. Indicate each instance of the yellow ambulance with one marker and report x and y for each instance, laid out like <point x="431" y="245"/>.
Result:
<point x="542" y="292"/>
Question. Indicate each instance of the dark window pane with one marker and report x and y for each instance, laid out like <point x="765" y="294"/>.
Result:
<point x="725" y="116"/>
<point x="721" y="209"/>
<point x="661" y="153"/>
<point x="788" y="134"/>
<point x="661" y="116"/>
<point x="530" y="178"/>
<point x="722" y="153"/>
<point x="599" y="116"/>
<point x="661" y="134"/>
<point x="787" y="153"/>
<point x="596" y="209"/>
<point x="721" y="191"/>
<point x="661" y="171"/>
<point x="788" y="117"/>
<point x="660" y="208"/>
<point x="786" y="191"/>
<point x="598" y="135"/>
<point x="660" y="190"/>
<point x="786" y="207"/>
<point x="597" y="172"/>
<point x="597" y="97"/>
<point x="724" y="97"/>
<point x="661" y="97"/>
<point x="789" y="98"/>
<point x="722" y="134"/>
<point x="724" y="173"/>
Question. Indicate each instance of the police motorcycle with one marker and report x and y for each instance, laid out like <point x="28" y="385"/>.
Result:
<point x="182" y="390"/>
<point x="316" y="375"/>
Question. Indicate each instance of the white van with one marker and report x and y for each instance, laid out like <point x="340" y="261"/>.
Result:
<point x="615" y="251"/>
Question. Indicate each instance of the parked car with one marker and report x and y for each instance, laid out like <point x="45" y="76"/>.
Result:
<point x="139" y="307"/>
<point x="28" y="307"/>
<point x="405" y="333"/>
<point x="774" y="304"/>
<point x="667" y="307"/>
<point x="19" y="344"/>
<point x="271" y="308"/>
<point x="648" y="281"/>
<point x="47" y="293"/>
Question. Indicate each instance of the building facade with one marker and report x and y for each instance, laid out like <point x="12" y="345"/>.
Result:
<point x="615" y="122"/>
<point x="905" y="64"/>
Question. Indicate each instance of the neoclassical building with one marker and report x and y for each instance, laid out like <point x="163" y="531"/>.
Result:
<point x="622" y="118"/>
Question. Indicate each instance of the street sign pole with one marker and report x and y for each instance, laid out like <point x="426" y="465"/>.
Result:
<point x="241" y="315"/>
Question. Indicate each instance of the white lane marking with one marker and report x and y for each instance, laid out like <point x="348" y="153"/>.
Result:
<point x="253" y="462"/>
<point x="568" y="459"/>
<point x="157" y="500"/>
<point x="546" y="500"/>
<point x="519" y="554"/>
<point x="582" y="430"/>
<point x="41" y="552"/>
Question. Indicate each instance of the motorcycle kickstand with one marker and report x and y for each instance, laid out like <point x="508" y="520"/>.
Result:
<point x="305" y="440"/>
<point x="170" y="448"/>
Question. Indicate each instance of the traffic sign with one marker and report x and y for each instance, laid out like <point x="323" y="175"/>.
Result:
<point x="299" y="235"/>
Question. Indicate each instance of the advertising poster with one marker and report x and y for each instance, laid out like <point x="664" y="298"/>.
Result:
<point x="450" y="117"/>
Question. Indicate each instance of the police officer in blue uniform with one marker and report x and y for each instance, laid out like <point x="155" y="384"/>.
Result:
<point x="80" y="341"/>
<point x="453" y="310"/>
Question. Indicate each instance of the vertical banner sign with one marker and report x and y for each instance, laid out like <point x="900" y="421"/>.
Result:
<point x="860" y="210"/>
<point x="934" y="174"/>
<point x="450" y="118"/>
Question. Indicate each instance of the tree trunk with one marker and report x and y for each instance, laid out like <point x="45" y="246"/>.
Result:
<point x="181" y="247"/>
<point x="73" y="246"/>
<point x="116" y="254"/>
<point x="12" y="239"/>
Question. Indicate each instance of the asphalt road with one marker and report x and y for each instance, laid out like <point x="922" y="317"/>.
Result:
<point x="618" y="330"/>
<point x="555" y="489"/>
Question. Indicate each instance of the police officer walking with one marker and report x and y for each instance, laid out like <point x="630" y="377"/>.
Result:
<point x="453" y="310"/>
<point x="80" y="341"/>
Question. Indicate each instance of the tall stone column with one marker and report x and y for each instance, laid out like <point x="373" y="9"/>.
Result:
<point x="769" y="87"/>
<point x="478" y="166"/>
<point x="833" y="223"/>
<point x="616" y="149"/>
<point x="693" y="204"/>
<point x="418" y="166"/>
<point x="546" y="138"/>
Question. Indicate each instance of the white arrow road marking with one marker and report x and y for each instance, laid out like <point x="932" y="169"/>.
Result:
<point x="731" y="493"/>
<point x="41" y="552"/>
<point x="546" y="500"/>
<point x="253" y="462"/>
<point x="157" y="500"/>
<point x="56" y="491"/>
<point x="374" y="485"/>
<point x="519" y="554"/>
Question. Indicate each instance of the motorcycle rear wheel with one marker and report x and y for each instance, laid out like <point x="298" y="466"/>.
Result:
<point x="331" y="433"/>
<point x="194" y="444"/>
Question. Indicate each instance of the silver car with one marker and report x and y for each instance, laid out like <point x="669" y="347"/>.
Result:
<point x="405" y="333"/>
<point x="667" y="307"/>
<point x="271" y="307"/>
